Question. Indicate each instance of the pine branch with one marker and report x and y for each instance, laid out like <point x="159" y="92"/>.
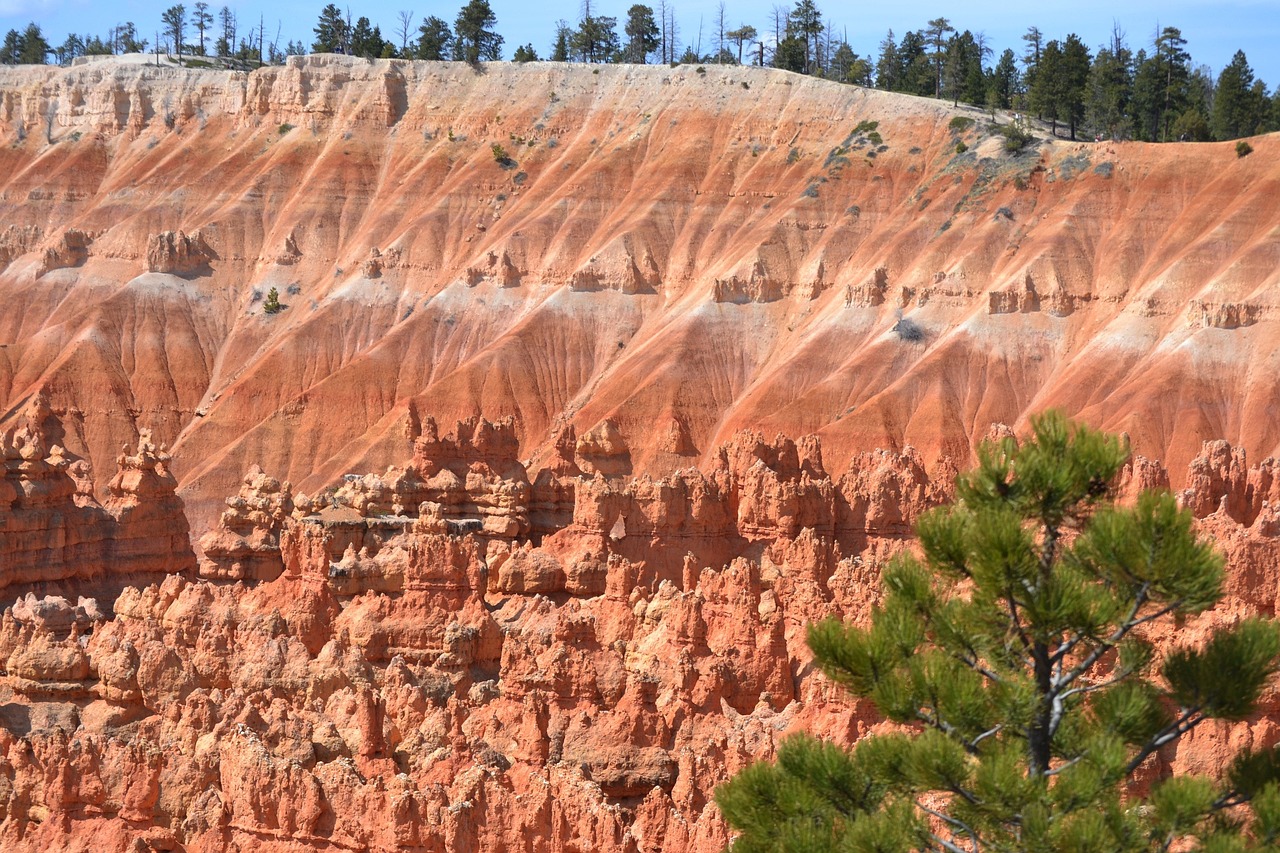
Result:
<point x="971" y="660"/>
<point x="1131" y="621"/>
<point x="1056" y="770"/>
<point x="1188" y="720"/>
<point x="988" y="733"/>
<point x="1116" y="636"/>
<point x="957" y="823"/>
<point x="1099" y="685"/>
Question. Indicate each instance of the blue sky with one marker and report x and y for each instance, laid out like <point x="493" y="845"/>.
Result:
<point x="1213" y="31"/>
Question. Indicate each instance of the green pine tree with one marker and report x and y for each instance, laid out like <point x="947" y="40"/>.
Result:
<point x="474" y="37"/>
<point x="1016" y="651"/>
<point x="1237" y="110"/>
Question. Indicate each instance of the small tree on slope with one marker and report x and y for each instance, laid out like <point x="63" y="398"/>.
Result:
<point x="1017" y="651"/>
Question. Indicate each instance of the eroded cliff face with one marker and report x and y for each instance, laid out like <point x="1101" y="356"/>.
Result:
<point x="407" y="661"/>
<point x="654" y="257"/>
<point x="558" y="626"/>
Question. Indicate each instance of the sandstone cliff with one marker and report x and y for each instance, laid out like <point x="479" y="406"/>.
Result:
<point x="655" y="259"/>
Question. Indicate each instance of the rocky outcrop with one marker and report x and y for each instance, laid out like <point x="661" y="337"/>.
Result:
<point x="179" y="253"/>
<point x="54" y="533"/>
<point x="71" y="250"/>
<point x="246" y="543"/>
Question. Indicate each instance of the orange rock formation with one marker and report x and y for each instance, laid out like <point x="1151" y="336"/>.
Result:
<point x="389" y="676"/>
<point x="665" y="257"/>
<point x="562" y="624"/>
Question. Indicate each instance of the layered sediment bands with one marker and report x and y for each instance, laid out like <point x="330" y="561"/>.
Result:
<point x="375" y="679"/>
<point x="653" y="258"/>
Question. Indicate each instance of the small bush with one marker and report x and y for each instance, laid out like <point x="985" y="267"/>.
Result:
<point x="284" y="128"/>
<point x="866" y="127"/>
<point x="959" y="124"/>
<point x="272" y="305"/>
<point x="501" y="158"/>
<point x="961" y="147"/>
<point x="874" y="138"/>
<point x="1015" y="138"/>
<point x="908" y="330"/>
<point x="746" y="85"/>
<point x="1243" y="149"/>
<point x="294" y="289"/>
<point x="700" y="70"/>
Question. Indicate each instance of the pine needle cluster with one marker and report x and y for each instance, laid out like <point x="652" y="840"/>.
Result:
<point x="1015" y="649"/>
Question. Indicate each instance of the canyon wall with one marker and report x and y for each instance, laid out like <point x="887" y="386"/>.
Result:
<point x="657" y="257"/>
<point x="404" y="662"/>
<point x="560" y="623"/>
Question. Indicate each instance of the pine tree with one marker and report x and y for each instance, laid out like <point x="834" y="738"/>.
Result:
<point x="175" y="26"/>
<point x="888" y="65"/>
<point x="1235" y="111"/>
<point x="560" y="47"/>
<point x="202" y="20"/>
<point x="805" y="24"/>
<point x="1031" y="59"/>
<point x="642" y="34"/>
<point x="1075" y="80"/>
<point x="1173" y="66"/>
<point x="227" y="18"/>
<point x="331" y="31"/>
<point x="934" y="35"/>
<point x="917" y="68"/>
<point x="435" y="39"/>
<point x="34" y="48"/>
<point x="1047" y="87"/>
<point x="1110" y="89"/>
<point x="741" y="36"/>
<point x="474" y="38"/>
<point x="1016" y="651"/>
<point x="272" y="305"/>
<point x="1004" y="80"/>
